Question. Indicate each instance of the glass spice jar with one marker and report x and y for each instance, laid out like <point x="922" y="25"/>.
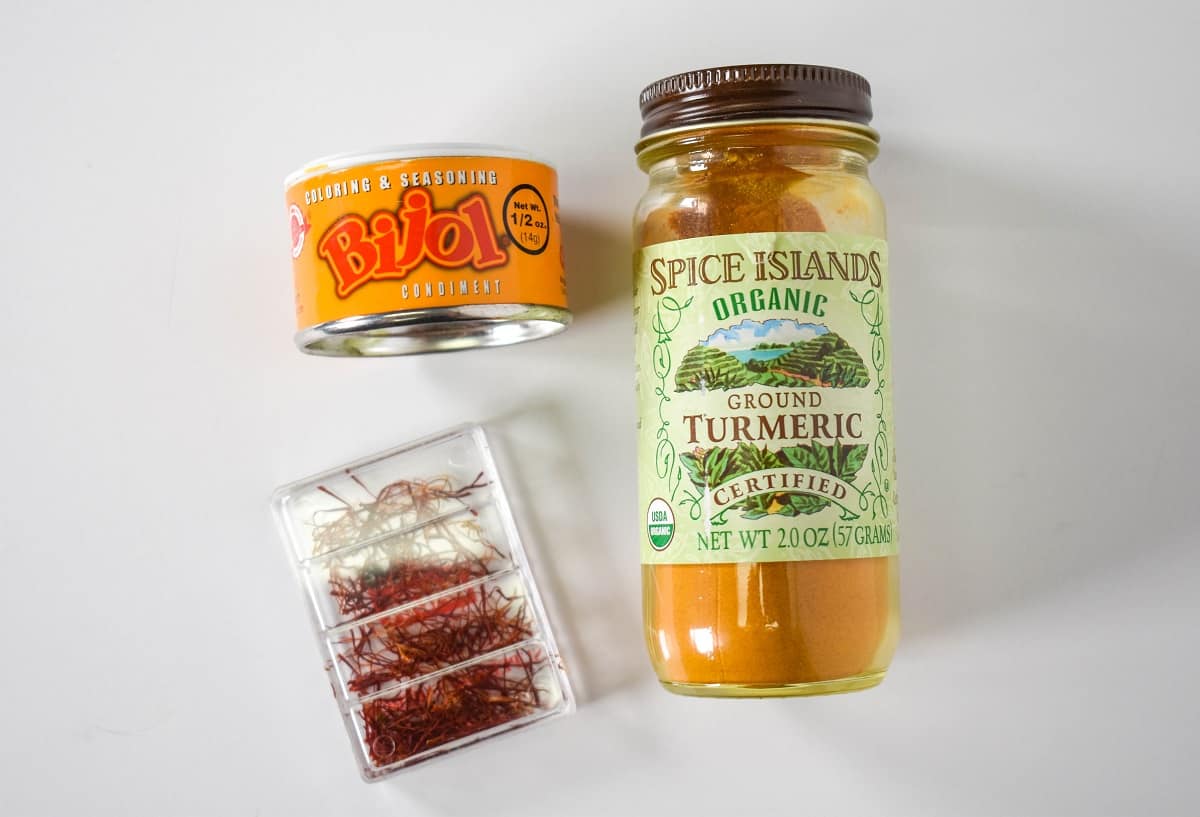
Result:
<point x="767" y="486"/>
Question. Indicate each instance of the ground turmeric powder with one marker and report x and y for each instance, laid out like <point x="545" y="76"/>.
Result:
<point x="765" y="448"/>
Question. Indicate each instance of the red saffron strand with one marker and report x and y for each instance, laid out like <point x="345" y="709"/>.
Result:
<point x="425" y="639"/>
<point x="435" y="553"/>
<point x="465" y="702"/>
<point x="397" y="505"/>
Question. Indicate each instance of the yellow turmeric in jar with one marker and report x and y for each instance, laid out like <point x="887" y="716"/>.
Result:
<point x="766" y="455"/>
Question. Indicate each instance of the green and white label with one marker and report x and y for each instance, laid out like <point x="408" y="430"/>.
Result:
<point x="660" y="523"/>
<point x="764" y="399"/>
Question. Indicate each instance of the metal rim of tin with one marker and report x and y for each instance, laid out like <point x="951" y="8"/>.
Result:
<point x="441" y="329"/>
<point x="388" y="153"/>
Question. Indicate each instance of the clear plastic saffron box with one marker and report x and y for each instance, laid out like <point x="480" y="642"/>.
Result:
<point x="428" y="618"/>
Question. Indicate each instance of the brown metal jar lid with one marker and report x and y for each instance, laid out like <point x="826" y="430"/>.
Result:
<point x="758" y="91"/>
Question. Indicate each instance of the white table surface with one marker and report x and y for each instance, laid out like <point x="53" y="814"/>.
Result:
<point x="1040" y="165"/>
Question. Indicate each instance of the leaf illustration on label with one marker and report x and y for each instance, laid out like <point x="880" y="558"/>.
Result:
<point x="815" y="457"/>
<point x="855" y="456"/>
<point x="748" y="459"/>
<point x="710" y="468"/>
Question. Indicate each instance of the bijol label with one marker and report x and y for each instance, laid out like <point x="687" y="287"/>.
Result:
<point x="421" y="233"/>
<point x="391" y="245"/>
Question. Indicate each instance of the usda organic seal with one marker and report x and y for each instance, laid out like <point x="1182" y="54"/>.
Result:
<point x="660" y="524"/>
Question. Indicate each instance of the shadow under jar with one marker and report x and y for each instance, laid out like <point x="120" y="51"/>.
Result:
<point x="766" y="455"/>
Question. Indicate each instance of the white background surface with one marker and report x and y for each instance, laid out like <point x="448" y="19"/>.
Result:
<point x="1039" y="163"/>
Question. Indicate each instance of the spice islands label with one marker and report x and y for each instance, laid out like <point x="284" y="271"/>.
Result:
<point x="764" y="399"/>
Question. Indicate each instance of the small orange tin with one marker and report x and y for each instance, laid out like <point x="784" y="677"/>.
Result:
<point x="425" y="248"/>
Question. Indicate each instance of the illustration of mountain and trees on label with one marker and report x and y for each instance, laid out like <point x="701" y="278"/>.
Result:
<point x="775" y="352"/>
